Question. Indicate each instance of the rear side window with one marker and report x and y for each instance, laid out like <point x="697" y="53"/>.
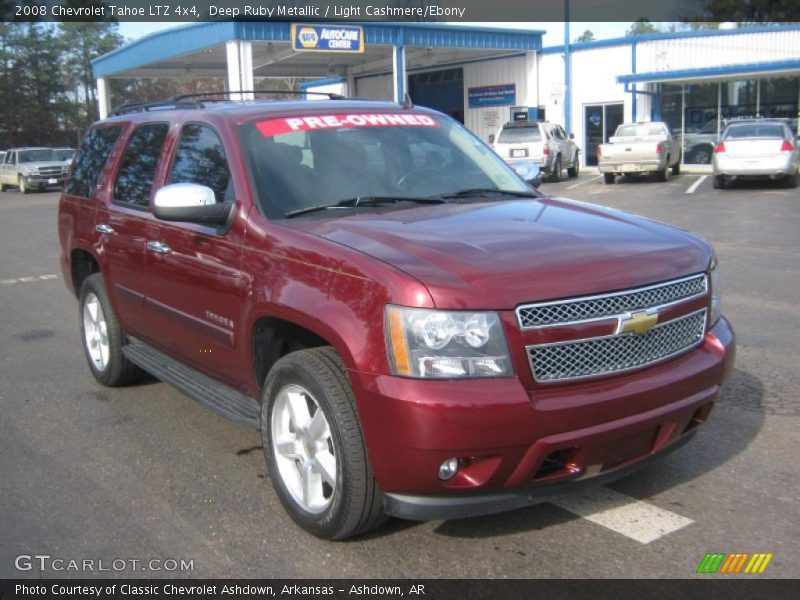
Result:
<point x="200" y="158"/>
<point x="138" y="169"/>
<point x="97" y="145"/>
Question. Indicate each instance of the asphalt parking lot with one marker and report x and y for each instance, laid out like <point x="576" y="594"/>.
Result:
<point x="144" y="473"/>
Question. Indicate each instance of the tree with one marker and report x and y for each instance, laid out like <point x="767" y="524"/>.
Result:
<point x="586" y="36"/>
<point x="744" y="12"/>
<point x="641" y="26"/>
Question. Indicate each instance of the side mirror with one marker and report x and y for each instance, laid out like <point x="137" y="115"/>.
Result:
<point x="530" y="172"/>
<point x="190" y="203"/>
<point x="572" y="136"/>
<point x="491" y="138"/>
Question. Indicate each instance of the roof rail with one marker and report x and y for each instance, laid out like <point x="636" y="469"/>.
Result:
<point x="330" y="95"/>
<point x="195" y="100"/>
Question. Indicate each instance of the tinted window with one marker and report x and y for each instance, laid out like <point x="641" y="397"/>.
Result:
<point x="640" y="130"/>
<point x="520" y="134"/>
<point x="138" y="168"/>
<point x="96" y="147"/>
<point x="200" y="159"/>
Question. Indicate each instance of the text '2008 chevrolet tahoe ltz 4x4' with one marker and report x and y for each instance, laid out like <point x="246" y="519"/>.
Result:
<point x="422" y="341"/>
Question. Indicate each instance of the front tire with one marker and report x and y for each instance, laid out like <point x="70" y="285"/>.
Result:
<point x="608" y="178"/>
<point x="102" y="337"/>
<point x="23" y="187"/>
<point x="575" y="169"/>
<point x="315" y="449"/>
<point x="676" y="168"/>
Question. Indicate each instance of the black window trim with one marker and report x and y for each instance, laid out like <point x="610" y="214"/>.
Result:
<point x="177" y="147"/>
<point x="133" y="205"/>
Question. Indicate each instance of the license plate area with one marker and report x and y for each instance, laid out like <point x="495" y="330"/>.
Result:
<point x="52" y="181"/>
<point x="519" y="152"/>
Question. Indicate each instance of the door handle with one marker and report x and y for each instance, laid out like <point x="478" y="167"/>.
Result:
<point x="158" y="247"/>
<point x="103" y="228"/>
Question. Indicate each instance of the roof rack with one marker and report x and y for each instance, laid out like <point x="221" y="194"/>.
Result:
<point x="329" y="95"/>
<point x="184" y="101"/>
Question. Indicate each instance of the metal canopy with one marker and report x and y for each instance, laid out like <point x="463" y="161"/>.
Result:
<point x="244" y="50"/>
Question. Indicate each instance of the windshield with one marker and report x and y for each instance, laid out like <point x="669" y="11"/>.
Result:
<point x="755" y="130"/>
<point x="65" y="154"/>
<point x="641" y="130"/>
<point x="510" y="135"/>
<point x="310" y="161"/>
<point x="40" y="155"/>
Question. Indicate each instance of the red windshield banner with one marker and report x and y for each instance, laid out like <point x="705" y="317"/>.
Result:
<point x="275" y="127"/>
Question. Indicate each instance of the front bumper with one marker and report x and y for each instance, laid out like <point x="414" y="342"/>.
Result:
<point x="521" y="445"/>
<point x="43" y="181"/>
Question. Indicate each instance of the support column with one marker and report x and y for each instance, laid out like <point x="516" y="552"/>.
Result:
<point x="567" y="73"/>
<point x="102" y="98"/>
<point x="633" y="86"/>
<point x="399" y="68"/>
<point x="240" y="68"/>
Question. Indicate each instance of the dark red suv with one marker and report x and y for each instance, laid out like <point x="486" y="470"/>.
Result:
<point x="415" y="330"/>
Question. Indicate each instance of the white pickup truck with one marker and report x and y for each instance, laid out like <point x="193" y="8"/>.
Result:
<point x="639" y="148"/>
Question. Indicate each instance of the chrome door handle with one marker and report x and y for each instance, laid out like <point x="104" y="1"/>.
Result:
<point x="158" y="247"/>
<point x="103" y="228"/>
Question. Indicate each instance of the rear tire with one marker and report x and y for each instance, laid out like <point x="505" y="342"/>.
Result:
<point x="102" y="337"/>
<point x="3" y="187"/>
<point x="608" y="178"/>
<point x="791" y="181"/>
<point x="555" y="177"/>
<point x="719" y="182"/>
<point x="318" y="464"/>
<point x="575" y="169"/>
<point x="663" y="174"/>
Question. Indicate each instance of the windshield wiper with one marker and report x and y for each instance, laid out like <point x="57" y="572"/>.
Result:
<point x="486" y="191"/>
<point x="363" y="201"/>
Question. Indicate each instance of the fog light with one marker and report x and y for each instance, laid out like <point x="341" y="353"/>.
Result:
<point x="448" y="468"/>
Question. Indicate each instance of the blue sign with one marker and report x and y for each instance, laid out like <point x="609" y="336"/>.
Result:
<point x="327" y="38"/>
<point x="492" y="95"/>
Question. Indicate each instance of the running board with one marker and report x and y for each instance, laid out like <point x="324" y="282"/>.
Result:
<point x="218" y="397"/>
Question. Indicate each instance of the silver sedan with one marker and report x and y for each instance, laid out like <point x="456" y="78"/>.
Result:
<point x="762" y="148"/>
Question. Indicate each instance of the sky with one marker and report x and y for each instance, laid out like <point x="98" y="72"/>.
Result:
<point x="553" y="37"/>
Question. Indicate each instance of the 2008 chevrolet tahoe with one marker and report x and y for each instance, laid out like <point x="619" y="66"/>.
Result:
<point x="415" y="331"/>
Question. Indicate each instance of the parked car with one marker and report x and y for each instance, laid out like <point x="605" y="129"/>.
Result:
<point x="759" y="148"/>
<point x="2" y="157"/>
<point x="428" y="343"/>
<point x="698" y="146"/>
<point x="32" y="169"/>
<point x="544" y="144"/>
<point x="638" y="148"/>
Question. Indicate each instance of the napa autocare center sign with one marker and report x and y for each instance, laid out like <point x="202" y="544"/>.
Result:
<point x="492" y="95"/>
<point x="327" y="38"/>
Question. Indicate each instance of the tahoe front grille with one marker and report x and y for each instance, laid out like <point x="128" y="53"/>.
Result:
<point x="50" y="170"/>
<point x="543" y="314"/>
<point x="562" y="361"/>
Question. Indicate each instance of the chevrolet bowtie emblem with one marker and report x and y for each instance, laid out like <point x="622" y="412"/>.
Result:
<point x="638" y="323"/>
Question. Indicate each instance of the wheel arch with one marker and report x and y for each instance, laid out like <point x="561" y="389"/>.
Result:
<point x="83" y="263"/>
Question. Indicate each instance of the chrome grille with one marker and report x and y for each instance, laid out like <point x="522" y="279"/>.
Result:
<point x="50" y="170"/>
<point x="613" y="354"/>
<point x="587" y="308"/>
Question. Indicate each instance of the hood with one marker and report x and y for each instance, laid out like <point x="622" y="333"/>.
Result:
<point x="42" y="163"/>
<point x="496" y="255"/>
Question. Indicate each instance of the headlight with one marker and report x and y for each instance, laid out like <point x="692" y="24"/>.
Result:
<point x="716" y="294"/>
<point x="428" y="343"/>
<point x="26" y="170"/>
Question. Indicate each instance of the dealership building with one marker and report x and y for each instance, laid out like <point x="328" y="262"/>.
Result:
<point x="485" y="76"/>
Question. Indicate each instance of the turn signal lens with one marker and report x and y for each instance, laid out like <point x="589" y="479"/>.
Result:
<point x="719" y="148"/>
<point x="398" y="342"/>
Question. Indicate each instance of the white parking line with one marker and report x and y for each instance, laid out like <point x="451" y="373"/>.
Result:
<point x="632" y="518"/>
<point x="27" y="279"/>
<point x="580" y="183"/>
<point x="696" y="184"/>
